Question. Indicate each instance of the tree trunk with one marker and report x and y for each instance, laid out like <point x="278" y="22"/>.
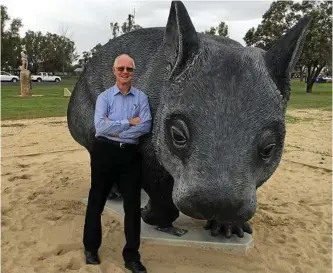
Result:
<point x="309" y="82"/>
<point x="309" y="86"/>
<point x="301" y="78"/>
<point x="311" y="76"/>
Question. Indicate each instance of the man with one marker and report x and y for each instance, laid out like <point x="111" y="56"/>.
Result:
<point x="122" y="115"/>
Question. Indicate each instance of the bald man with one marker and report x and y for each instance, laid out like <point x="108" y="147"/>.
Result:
<point x="122" y="115"/>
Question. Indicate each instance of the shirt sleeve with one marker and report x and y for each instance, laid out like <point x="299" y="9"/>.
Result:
<point x="107" y="126"/>
<point x="144" y="127"/>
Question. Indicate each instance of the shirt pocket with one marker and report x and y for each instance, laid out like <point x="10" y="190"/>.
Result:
<point x="135" y="111"/>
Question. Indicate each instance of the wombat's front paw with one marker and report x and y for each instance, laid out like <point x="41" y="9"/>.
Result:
<point x="227" y="229"/>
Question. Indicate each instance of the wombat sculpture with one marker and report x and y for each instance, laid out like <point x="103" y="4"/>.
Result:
<point x="218" y="118"/>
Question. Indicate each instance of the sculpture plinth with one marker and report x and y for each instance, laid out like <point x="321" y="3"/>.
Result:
<point x="25" y="82"/>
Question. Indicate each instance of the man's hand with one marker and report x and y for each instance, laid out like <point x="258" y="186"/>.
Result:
<point x="134" y="121"/>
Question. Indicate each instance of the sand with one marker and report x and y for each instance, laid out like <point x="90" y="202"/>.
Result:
<point x="45" y="174"/>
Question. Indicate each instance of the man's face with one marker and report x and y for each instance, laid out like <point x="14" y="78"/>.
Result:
<point x="123" y="70"/>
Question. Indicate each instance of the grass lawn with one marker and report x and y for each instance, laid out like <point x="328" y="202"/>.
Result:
<point x="321" y="96"/>
<point x="53" y="104"/>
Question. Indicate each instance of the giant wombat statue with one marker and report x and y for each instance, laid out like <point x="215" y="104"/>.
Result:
<point x="218" y="118"/>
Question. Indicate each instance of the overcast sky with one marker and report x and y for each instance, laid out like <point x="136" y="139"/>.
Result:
<point x="88" y="21"/>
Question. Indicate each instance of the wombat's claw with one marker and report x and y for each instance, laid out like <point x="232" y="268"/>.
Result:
<point x="173" y="231"/>
<point x="228" y="229"/>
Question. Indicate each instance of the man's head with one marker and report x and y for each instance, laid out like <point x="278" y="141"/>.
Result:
<point x="123" y="68"/>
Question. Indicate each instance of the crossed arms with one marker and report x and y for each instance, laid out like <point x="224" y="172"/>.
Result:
<point x="126" y="129"/>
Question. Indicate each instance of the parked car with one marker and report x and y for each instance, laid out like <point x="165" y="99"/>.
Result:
<point x="7" y="77"/>
<point x="319" y="80"/>
<point x="45" y="77"/>
<point x="328" y="79"/>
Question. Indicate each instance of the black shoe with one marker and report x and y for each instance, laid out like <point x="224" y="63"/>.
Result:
<point x="135" y="267"/>
<point x="91" y="257"/>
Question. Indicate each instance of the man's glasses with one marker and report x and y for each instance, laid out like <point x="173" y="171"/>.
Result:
<point x="122" y="68"/>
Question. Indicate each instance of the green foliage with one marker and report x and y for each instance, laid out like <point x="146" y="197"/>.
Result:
<point x="127" y="26"/>
<point x="10" y="40"/>
<point x="211" y="31"/>
<point x="49" y="52"/>
<point x="220" y="30"/>
<point x="86" y="55"/>
<point x="276" y="21"/>
<point x="317" y="52"/>
<point x="281" y="16"/>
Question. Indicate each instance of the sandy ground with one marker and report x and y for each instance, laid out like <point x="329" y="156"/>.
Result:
<point x="45" y="174"/>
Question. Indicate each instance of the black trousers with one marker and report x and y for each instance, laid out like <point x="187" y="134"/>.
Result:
<point x="112" y="164"/>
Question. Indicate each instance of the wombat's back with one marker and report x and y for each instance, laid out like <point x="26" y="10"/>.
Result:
<point x="97" y="76"/>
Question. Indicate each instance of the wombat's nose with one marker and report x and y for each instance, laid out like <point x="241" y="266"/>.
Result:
<point x="235" y="211"/>
<point x="221" y="210"/>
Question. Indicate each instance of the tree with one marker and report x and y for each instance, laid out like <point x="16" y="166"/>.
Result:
<point x="35" y="45"/>
<point x="250" y="37"/>
<point x="49" y="52"/>
<point x="10" y="40"/>
<point x="86" y="55"/>
<point x="115" y="29"/>
<point x="276" y="21"/>
<point x="220" y="30"/>
<point x="68" y="47"/>
<point x="127" y="26"/>
<point x="281" y="16"/>
<point x="212" y="31"/>
<point x="95" y="49"/>
<point x="318" y="50"/>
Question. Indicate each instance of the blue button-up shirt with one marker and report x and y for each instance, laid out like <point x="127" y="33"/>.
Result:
<point x="119" y="109"/>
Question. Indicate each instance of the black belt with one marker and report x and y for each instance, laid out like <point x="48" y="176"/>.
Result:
<point x="116" y="143"/>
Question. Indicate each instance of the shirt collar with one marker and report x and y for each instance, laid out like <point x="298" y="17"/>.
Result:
<point x="116" y="90"/>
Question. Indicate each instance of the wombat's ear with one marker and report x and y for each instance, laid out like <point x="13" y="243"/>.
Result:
<point x="180" y="40"/>
<point x="282" y="57"/>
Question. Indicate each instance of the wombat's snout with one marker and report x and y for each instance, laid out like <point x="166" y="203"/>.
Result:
<point x="218" y="207"/>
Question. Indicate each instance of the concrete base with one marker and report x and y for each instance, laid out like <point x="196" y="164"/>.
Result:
<point x="196" y="236"/>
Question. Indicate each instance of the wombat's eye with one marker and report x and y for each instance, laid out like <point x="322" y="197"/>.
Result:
<point x="178" y="137"/>
<point x="178" y="133"/>
<point x="267" y="151"/>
